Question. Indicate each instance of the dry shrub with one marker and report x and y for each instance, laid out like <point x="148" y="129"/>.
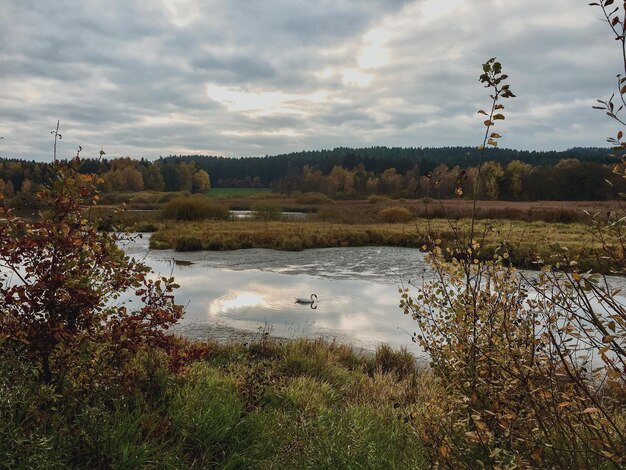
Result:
<point x="314" y="198"/>
<point x="529" y="366"/>
<point x="395" y="215"/>
<point x="376" y="199"/>
<point x="518" y="392"/>
<point x="188" y="244"/>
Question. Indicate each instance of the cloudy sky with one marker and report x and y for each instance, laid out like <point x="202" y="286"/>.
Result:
<point x="247" y="77"/>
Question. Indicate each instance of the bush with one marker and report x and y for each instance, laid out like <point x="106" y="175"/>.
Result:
<point x="394" y="215"/>
<point x="376" y="199"/>
<point x="194" y="208"/>
<point x="66" y="273"/>
<point x="314" y="198"/>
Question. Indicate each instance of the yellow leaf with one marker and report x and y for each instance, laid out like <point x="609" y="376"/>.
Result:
<point x="591" y="410"/>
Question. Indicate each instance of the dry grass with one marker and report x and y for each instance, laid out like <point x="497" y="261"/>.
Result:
<point x="526" y="241"/>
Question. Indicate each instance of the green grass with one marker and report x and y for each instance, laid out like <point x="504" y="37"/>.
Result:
<point x="236" y="192"/>
<point x="302" y="404"/>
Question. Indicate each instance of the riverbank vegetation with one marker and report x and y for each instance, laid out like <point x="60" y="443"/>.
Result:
<point x="300" y="404"/>
<point x="527" y="243"/>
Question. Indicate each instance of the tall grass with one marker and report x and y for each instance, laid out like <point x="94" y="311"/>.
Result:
<point x="525" y="241"/>
<point x="193" y="208"/>
<point x="300" y="404"/>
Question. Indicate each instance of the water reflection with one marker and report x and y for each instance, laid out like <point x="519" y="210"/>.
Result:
<point x="353" y="305"/>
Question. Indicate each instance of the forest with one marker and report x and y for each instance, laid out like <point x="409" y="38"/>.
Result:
<point x="342" y="173"/>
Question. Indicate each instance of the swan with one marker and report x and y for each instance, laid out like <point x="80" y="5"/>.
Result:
<point x="307" y="301"/>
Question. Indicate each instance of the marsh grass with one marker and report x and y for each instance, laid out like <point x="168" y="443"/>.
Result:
<point x="526" y="242"/>
<point x="299" y="404"/>
<point x="193" y="208"/>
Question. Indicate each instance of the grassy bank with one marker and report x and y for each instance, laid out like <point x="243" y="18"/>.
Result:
<point x="302" y="404"/>
<point x="525" y="241"/>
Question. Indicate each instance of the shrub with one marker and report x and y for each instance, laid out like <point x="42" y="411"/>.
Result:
<point x="60" y="276"/>
<point x="314" y="198"/>
<point x="194" y="208"/>
<point x="524" y="368"/>
<point x="394" y="215"/>
<point x="376" y="199"/>
<point x="167" y="197"/>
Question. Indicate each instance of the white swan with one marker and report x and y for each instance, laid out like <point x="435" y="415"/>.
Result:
<point x="307" y="301"/>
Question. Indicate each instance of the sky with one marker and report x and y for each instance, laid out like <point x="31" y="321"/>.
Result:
<point x="145" y="78"/>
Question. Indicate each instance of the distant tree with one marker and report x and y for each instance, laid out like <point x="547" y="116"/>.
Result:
<point x="514" y="176"/>
<point x="184" y="176"/>
<point x="489" y="185"/>
<point x="201" y="182"/>
<point x="152" y="177"/>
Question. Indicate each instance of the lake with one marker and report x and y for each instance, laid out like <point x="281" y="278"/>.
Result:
<point x="246" y="290"/>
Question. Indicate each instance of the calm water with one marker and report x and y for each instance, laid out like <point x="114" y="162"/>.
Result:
<point x="245" y="290"/>
<point x="234" y="292"/>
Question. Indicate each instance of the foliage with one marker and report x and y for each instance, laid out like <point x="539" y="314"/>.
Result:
<point x="314" y="198"/>
<point x="193" y="208"/>
<point x="60" y="278"/>
<point x="533" y="369"/>
<point x="394" y="215"/>
<point x="407" y="173"/>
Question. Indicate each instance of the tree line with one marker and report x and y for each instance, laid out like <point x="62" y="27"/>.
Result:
<point x="263" y="171"/>
<point x="576" y="174"/>
<point x="20" y="178"/>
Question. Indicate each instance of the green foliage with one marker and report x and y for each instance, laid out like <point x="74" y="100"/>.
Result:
<point x="193" y="208"/>
<point x="237" y="192"/>
<point x="400" y="362"/>
<point x="205" y="411"/>
<point x="241" y="407"/>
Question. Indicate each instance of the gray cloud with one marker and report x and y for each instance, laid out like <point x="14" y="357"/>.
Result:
<point x="244" y="77"/>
